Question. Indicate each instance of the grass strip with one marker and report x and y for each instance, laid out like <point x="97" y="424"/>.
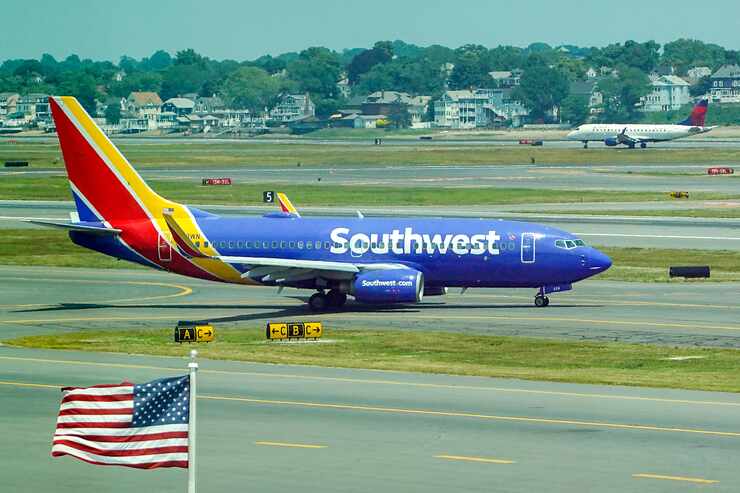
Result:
<point x="23" y="187"/>
<point x="439" y="352"/>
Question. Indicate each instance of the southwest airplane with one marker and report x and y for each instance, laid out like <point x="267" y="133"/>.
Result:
<point x="631" y="135"/>
<point x="381" y="261"/>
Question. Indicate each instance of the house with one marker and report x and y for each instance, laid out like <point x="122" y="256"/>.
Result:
<point x="726" y="84"/>
<point x="119" y="76"/>
<point x="343" y="86"/>
<point x="143" y="104"/>
<point x="591" y="73"/>
<point x="208" y="104"/>
<point x="292" y="107"/>
<point x="396" y="103"/>
<point x="8" y="103"/>
<point x="506" y="78"/>
<point x="698" y="72"/>
<point x="366" y="121"/>
<point x="34" y="107"/>
<point x="179" y="106"/>
<point x="669" y="93"/>
<point x="477" y="108"/>
<point x="588" y="89"/>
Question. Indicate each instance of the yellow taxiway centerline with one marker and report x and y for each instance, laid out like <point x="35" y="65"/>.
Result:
<point x="291" y="376"/>
<point x="675" y="478"/>
<point x="290" y="445"/>
<point x="453" y="414"/>
<point x="475" y="459"/>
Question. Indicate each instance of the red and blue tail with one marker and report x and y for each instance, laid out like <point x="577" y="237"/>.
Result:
<point x="698" y="114"/>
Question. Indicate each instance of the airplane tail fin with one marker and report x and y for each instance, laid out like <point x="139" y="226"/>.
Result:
<point x="104" y="185"/>
<point x="698" y="115"/>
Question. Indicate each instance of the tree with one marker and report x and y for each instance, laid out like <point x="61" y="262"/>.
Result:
<point x="702" y="88"/>
<point x="181" y="79"/>
<point x="686" y="53"/>
<point x="417" y="76"/>
<point x="316" y="71"/>
<point x="113" y="113"/>
<point x="542" y="89"/>
<point x="159" y="60"/>
<point x="574" y="109"/>
<point x="189" y="57"/>
<point x="622" y="94"/>
<point x="251" y="88"/>
<point x="382" y="52"/>
<point x="82" y="86"/>
<point x="469" y="72"/>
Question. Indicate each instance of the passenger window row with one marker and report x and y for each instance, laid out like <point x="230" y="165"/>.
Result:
<point x="275" y="245"/>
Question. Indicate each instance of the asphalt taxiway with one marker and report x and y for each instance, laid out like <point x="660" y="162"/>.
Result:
<point x="39" y="300"/>
<point x="307" y="429"/>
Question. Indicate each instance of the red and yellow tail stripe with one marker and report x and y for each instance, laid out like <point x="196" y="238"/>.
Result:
<point x="286" y="205"/>
<point x="108" y="182"/>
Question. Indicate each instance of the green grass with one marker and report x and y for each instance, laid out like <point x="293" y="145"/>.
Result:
<point x="240" y="152"/>
<point x="23" y="187"/>
<point x="439" y="352"/>
<point x="706" y="212"/>
<point x="651" y="264"/>
<point x="53" y="248"/>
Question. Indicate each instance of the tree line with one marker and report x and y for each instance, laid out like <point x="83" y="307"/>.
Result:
<point x="398" y="66"/>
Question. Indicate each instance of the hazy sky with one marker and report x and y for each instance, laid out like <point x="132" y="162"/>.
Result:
<point x="246" y="29"/>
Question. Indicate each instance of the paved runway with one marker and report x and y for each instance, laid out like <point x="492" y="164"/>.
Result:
<point x="643" y="177"/>
<point x="282" y="428"/>
<point x="649" y="232"/>
<point x="42" y="300"/>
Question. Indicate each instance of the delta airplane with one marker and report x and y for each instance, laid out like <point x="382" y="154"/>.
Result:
<point x="381" y="261"/>
<point x="614" y="134"/>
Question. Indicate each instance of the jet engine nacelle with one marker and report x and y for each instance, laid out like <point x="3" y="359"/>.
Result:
<point x="611" y="142"/>
<point x="389" y="286"/>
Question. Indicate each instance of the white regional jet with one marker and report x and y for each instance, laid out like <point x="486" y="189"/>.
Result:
<point x="613" y="134"/>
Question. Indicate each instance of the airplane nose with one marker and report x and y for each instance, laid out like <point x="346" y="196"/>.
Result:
<point x="598" y="262"/>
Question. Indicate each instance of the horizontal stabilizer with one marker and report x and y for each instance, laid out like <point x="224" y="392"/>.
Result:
<point x="85" y="228"/>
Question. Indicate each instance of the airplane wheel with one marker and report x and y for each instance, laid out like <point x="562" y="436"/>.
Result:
<point x="318" y="302"/>
<point x="541" y="301"/>
<point x="336" y="299"/>
<point x="643" y="145"/>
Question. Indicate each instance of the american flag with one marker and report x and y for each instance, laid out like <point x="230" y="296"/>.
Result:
<point x="134" y="425"/>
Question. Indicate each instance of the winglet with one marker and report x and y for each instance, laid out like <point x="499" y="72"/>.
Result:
<point x="183" y="241"/>
<point x="286" y="205"/>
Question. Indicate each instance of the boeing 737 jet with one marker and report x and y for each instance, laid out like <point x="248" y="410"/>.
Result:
<point x="374" y="260"/>
<point x="614" y="134"/>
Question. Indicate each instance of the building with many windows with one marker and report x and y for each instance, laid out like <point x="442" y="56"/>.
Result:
<point x="477" y="108"/>
<point x="669" y="93"/>
<point x="292" y="107"/>
<point x="726" y="84"/>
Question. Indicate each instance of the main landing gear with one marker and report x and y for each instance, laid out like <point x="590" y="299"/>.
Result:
<point x="585" y="144"/>
<point x="541" y="300"/>
<point x="643" y="145"/>
<point x="319" y="302"/>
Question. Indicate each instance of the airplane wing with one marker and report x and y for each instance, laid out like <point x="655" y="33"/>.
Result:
<point x="624" y="138"/>
<point x="69" y="226"/>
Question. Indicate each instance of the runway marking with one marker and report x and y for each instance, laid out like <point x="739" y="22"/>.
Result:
<point x="291" y="445"/>
<point x="475" y="459"/>
<point x="380" y="382"/>
<point x="608" y="302"/>
<point x="676" y="478"/>
<point x="183" y="290"/>
<point x="93" y="319"/>
<point x="460" y="414"/>
<point x="452" y="414"/>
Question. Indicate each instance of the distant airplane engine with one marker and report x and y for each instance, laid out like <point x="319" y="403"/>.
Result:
<point x="389" y="286"/>
<point x="611" y="142"/>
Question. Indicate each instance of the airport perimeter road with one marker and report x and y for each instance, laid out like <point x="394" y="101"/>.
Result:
<point x="38" y="300"/>
<point x="307" y="429"/>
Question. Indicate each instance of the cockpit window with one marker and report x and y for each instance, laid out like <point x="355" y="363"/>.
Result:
<point x="569" y="244"/>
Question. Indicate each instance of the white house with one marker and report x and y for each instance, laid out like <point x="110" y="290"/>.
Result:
<point x="698" y="72"/>
<point x="669" y="93"/>
<point x="292" y="107"/>
<point x="8" y="102"/>
<point x="477" y="108"/>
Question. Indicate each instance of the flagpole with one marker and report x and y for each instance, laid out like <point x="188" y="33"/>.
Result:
<point x="193" y="366"/>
